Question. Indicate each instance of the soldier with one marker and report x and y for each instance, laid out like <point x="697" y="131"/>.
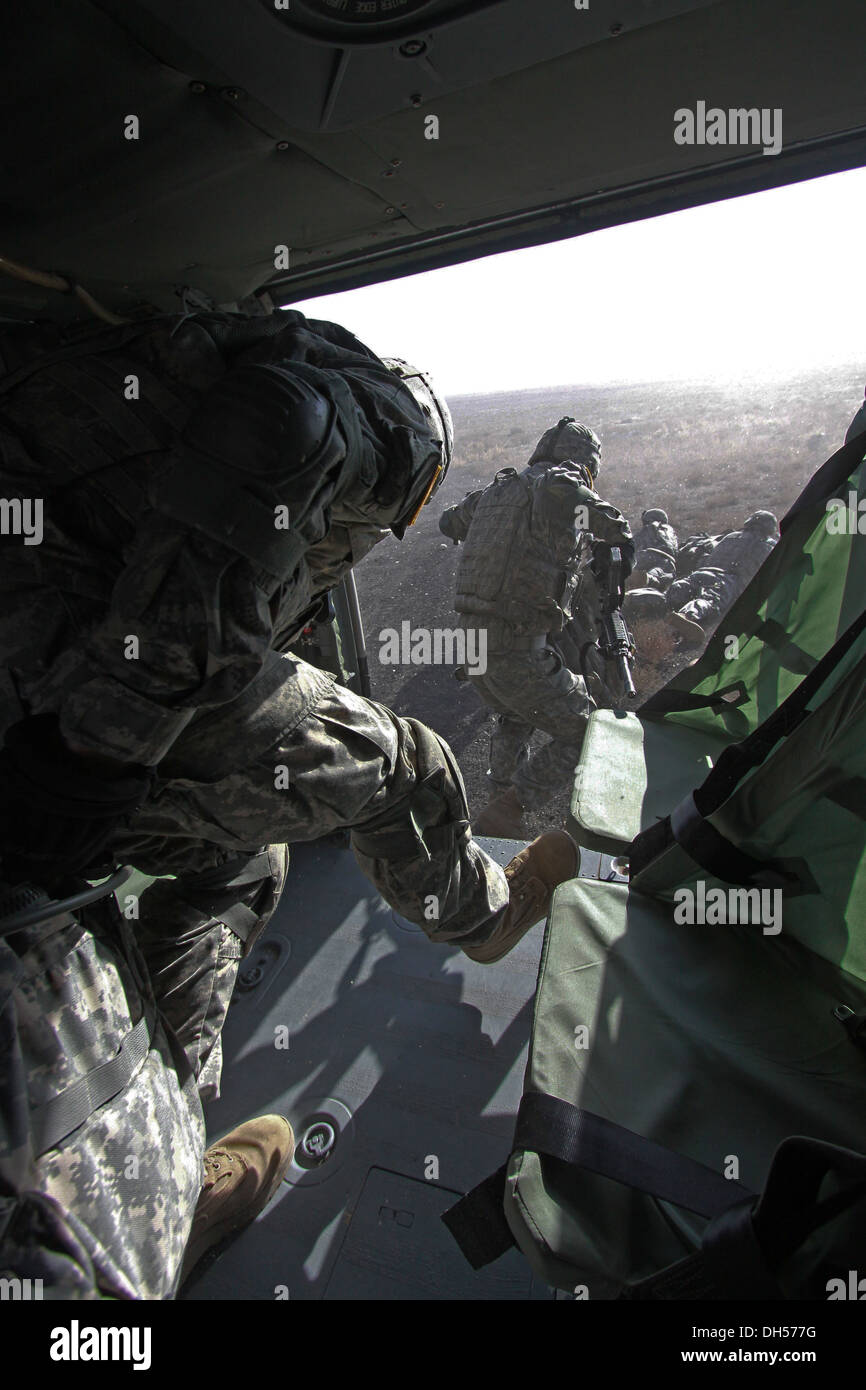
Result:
<point x="200" y="484"/>
<point x="655" y="552"/>
<point x="694" y="552"/>
<point x="697" y="602"/>
<point x="525" y="575"/>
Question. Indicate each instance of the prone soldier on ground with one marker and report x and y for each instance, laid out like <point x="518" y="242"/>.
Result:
<point x="697" y="602"/>
<point x="656" y="548"/>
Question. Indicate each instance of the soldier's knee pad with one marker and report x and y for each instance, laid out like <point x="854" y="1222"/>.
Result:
<point x="432" y="816"/>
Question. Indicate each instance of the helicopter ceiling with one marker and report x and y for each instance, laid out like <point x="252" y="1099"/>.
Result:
<point x="157" y="152"/>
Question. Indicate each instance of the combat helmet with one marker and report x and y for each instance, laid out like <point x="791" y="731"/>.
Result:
<point x="435" y="408"/>
<point x="569" y="440"/>
<point x="654" y="514"/>
<point x="763" y="522"/>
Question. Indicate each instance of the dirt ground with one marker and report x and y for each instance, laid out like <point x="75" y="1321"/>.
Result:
<point x="709" y="455"/>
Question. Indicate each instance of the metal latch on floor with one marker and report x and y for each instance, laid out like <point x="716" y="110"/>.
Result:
<point x="318" y="1143"/>
<point x="324" y="1133"/>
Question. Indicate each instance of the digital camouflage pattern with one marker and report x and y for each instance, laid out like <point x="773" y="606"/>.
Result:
<point x="703" y="596"/>
<point x="656" y="549"/>
<point x="524" y="576"/>
<point x="298" y="756"/>
<point x="350" y="763"/>
<point x="551" y="698"/>
<point x="706" y="593"/>
<point x="158" y="524"/>
<point x="108" y="1211"/>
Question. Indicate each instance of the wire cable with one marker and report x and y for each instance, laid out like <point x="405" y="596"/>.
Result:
<point x="49" y="281"/>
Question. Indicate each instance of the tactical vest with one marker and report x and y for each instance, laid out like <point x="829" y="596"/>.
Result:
<point x="105" y="408"/>
<point x="110" y="425"/>
<point x="508" y="569"/>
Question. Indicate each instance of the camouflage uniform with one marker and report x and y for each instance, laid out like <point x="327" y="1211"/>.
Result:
<point x="106" y="1208"/>
<point x="704" y="595"/>
<point x="154" y="530"/>
<point x="524" y="577"/>
<point x="694" y="552"/>
<point x="656" y="549"/>
<point x="709" y="591"/>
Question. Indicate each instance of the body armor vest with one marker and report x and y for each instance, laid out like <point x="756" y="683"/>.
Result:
<point x="517" y="563"/>
<point x="121" y="421"/>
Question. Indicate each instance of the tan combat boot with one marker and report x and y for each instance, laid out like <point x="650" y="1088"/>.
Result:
<point x="502" y="817"/>
<point x="241" y="1174"/>
<point x="532" y="876"/>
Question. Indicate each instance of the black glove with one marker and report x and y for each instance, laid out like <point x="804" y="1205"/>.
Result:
<point x="57" y="815"/>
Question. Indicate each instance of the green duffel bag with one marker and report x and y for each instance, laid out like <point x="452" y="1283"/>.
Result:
<point x="670" y="1067"/>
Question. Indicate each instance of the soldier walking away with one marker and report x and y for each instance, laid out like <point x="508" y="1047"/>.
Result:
<point x="697" y="602"/>
<point x="202" y="481"/>
<point x="527" y="575"/>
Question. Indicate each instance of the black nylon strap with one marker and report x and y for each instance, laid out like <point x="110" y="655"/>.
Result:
<point x="792" y="657"/>
<point x="52" y="1122"/>
<point x="215" y="890"/>
<point x="550" y="1126"/>
<point x="239" y="919"/>
<point x="736" y="760"/>
<point x="673" y="701"/>
<point x="741" y="1248"/>
<point x="721" y="857"/>
<point x="234" y="873"/>
<point x="477" y="1222"/>
<point x="688" y="824"/>
<point x="849" y="793"/>
<point x="730" y="1264"/>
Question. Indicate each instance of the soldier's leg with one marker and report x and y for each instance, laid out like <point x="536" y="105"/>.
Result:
<point x="715" y="592"/>
<point x="193" y="931"/>
<point x="296" y="757"/>
<point x="509" y="748"/>
<point x="100" y="1162"/>
<point x="555" y="700"/>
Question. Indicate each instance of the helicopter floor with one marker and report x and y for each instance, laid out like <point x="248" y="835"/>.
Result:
<point x="400" y="1066"/>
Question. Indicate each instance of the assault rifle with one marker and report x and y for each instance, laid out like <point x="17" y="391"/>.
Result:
<point x="614" y="639"/>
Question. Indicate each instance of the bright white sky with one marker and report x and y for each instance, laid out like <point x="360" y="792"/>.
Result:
<point x="768" y="285"/>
